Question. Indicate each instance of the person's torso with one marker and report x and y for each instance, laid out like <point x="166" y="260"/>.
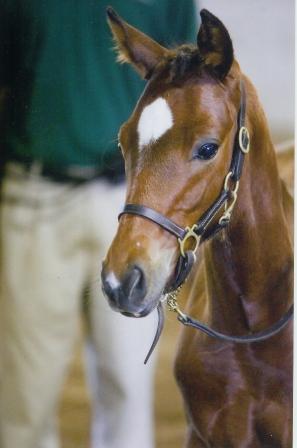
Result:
<point x="69" y="97"/>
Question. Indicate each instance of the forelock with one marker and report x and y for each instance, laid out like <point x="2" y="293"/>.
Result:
<point x="185" y="61"/>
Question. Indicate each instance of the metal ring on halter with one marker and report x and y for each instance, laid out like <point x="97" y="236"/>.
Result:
<point x="244" y="139"/>
<point x="226" y="186"/>
<point x="190" y="234"/>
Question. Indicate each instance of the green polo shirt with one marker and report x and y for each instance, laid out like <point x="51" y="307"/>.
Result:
<point x="67" y="95"/>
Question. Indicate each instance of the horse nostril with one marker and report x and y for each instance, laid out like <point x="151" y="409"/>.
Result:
<point x="125" y="295"/>
<point x="134" y="284"/>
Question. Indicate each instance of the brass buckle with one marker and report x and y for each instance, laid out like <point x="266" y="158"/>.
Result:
<point x="190" y="234"/>
<point x="244" y="135"/>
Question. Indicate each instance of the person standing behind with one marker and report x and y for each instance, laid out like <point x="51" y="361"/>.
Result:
<point x="62" y="187"/>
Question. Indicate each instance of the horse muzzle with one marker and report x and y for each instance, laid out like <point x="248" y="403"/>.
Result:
<point x="128" y="295"/>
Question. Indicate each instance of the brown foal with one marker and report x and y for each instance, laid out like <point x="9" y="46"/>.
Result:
<point x="177" y="147"/>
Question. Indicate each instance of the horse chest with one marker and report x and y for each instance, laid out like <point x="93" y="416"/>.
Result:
<point x="233" y="400"/>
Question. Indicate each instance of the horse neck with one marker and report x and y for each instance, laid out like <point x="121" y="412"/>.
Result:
<point x="249" y="267"/>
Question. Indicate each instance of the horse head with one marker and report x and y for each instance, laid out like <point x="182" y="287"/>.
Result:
<point x="177" y="146"/>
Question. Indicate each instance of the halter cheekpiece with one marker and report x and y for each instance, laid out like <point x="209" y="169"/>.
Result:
<point x="201" y="231"/>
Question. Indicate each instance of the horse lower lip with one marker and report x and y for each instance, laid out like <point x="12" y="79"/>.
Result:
<point x="130" y="311"/>
<point x="136" y="314"/>
<point x="125" y="313"/>
<point x="139" y="313"/>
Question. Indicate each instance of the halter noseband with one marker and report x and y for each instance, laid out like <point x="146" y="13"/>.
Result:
<point x="201" y="231"/>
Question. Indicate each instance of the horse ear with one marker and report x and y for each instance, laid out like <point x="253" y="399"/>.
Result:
<point x="215" y="45"/>
<point x="133" y="46"/>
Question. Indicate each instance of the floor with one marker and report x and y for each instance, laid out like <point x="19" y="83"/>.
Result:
<point x="169" y="416"/>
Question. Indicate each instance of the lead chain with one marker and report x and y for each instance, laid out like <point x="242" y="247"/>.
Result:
<point x="171" y="299"/>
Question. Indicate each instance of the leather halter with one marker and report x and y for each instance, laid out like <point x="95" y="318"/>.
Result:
<point x="201" y="231"/>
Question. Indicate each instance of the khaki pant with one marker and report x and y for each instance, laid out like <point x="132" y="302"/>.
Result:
<point x="53" y="239"/>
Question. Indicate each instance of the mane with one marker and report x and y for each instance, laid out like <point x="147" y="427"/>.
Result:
<point x="183" y="62"/>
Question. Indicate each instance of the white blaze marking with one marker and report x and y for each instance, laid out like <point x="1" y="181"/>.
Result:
<point x="155" y="120"/>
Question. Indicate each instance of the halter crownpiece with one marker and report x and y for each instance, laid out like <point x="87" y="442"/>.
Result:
<point x="201" y="231"/>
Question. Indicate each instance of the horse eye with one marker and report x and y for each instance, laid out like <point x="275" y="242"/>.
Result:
<point x="206" y="151"/>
